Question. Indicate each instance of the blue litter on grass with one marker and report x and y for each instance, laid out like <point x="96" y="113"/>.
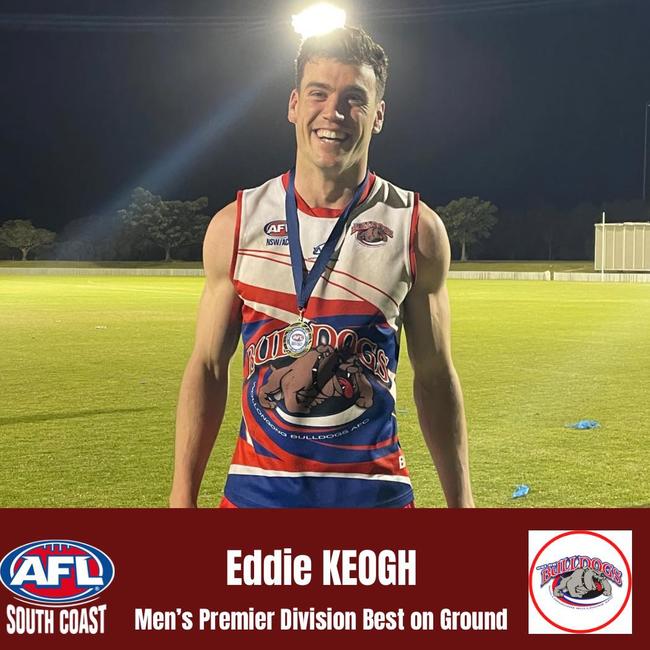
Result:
<point x="520" y="491"/>
<point x="584" y="424"/>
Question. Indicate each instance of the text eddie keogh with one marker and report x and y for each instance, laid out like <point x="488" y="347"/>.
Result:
<point x="341" y="567"/>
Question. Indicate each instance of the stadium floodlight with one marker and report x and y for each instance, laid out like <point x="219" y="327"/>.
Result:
<point x="318" y="19"/>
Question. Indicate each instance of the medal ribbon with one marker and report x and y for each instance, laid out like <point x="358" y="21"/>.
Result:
<point x="304" y="281"/>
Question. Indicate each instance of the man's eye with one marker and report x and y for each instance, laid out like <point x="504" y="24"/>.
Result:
<point x="356" y="99"/>
<point x="318" y="94"/>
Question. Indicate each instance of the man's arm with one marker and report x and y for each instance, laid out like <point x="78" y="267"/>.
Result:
<point x="204" y="388"/>
<point x="436" y="388"/>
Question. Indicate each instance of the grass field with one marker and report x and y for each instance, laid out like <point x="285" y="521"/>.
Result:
<point x="90" y="368"/>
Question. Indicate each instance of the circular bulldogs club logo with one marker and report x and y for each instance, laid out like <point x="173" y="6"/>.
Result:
<point x="579" y="581"/>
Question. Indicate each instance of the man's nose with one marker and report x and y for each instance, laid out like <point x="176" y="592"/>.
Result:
<point x="334" y="109"/>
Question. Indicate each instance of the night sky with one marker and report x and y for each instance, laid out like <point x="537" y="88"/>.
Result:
<point x="517" y="101"/>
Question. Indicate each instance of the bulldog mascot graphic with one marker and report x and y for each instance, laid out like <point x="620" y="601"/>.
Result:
<point x="583" y="583"/>
<point x="372" y="233"/>
<point x="320" y="375"/>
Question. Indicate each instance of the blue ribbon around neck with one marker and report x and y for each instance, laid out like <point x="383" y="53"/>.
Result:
<point x="304" y="281"/>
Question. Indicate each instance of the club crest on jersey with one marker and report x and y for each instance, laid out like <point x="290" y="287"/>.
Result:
<point x="580" y="581"/>
<point x="276" y="233"/>
<point x="318" y="376"/>
<point x="372" y="233"/>
<point x="56" y="572"/>
<point x="337" y="360"/>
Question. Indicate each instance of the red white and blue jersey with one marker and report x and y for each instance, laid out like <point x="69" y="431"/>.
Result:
<point x="320" y="430"/>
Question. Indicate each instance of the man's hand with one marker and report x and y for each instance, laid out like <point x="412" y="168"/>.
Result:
<point x="436" y="388"/>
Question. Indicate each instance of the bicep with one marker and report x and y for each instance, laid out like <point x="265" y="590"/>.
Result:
<point x="427" y="328"/>
<point x="219" y="317"/>
<point x="426" y="308"/>
<point x="218" y="325"/>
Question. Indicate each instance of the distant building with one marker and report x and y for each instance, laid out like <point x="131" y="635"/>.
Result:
<point x="627" y="247"/>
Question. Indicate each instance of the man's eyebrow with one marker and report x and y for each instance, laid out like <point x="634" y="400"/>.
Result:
<point x="358" y="89"/>
<point x="324" y="86"/>
<point x="319" y="84"/>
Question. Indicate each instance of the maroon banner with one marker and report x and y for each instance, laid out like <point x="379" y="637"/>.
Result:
<point x="239" y="578"/>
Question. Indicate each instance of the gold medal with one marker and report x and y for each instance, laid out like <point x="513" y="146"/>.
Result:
<point x="297" y="338"/>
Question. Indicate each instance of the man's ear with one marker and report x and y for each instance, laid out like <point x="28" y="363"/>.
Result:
<point x="293" y="102"/>
<point x="380" y="112"/>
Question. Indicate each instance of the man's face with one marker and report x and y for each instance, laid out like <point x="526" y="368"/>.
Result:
<point x="335" y="111"/>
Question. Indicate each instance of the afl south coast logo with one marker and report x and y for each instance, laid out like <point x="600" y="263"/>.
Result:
<point x="580" y="582"/>
<point x="56" y="583"/>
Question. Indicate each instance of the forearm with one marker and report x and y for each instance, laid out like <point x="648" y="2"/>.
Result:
<point x="201" y="406"/>
<point x="439" y="402"/>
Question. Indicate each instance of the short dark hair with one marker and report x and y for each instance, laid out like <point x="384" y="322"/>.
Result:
<point x="348" y="45"/>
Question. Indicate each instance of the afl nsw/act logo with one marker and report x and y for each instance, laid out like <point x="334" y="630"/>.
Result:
<point x="56" y="572"/>
<point x="580" y="581"/>
<point x="276" y="233"/>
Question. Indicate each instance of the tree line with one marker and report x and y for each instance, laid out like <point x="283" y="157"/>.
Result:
<point x="152" y="228"/>
<point x="148" y="228"/>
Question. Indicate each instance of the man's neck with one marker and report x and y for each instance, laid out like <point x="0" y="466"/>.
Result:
<point x="320" y="189"/>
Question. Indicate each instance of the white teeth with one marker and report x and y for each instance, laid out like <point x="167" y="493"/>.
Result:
<point x="330" y="135"/>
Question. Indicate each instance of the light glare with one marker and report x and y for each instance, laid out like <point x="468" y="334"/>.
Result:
<point x="318" y="19"/>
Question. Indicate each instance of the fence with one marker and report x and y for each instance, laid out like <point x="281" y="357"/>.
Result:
<point x="500" y="275"/>
<point x="6" y="270"/>
<point x="455" y="275"/>
<point x="606" y="277"/>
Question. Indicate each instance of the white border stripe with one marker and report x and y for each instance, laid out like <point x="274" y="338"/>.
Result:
<point x="273" y="312"/>
<point x="258" y="471"/>
<point x="350" y="414"/>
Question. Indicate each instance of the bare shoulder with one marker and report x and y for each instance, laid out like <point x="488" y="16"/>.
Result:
<point x="218" y="242"/>
<point x="432" y="252"/>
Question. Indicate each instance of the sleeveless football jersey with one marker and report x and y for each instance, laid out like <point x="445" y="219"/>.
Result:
<point x="320" y="430"/>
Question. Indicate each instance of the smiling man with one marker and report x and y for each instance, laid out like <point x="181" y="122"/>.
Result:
<point x="318" y="270"/>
